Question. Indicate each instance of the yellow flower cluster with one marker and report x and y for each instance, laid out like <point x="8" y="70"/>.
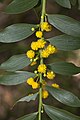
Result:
<point x="34" y="54"/>
<point x="46" y="27"/>
<point x="48" y="51"/>
<point x="39" y="44"/>
<point x="31" y="82"/>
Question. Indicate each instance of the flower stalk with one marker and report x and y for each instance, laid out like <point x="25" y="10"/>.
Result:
<point x="41" y="60"/>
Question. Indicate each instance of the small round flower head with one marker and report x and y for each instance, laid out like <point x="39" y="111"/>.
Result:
<point x="45" y="53"/>
<point x="35" y="85"/>
<point x="33" y="29"/>
<point x="41" y="43"/>
<point x="45" y="94"/>
<point x="50" y="75"/>
<point x="55" y="85"/>
<point x="45" y="26"/>
<point x="39" y="34"/>
<point x="51" y="49"/>
<point x="30" y="81"/>
<point x="30" y="54"/>
<point x="34" y="46"/>
<point x="42" y="68"/>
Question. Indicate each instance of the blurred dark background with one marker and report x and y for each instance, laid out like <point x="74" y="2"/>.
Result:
<point x="9" y="94"/>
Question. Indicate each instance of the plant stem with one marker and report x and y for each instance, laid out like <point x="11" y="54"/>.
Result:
<point x="41" y="61"/>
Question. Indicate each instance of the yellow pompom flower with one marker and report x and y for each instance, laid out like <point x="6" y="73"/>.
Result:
<point x="41" y="43"/>
<point x="44" y="53"/>
<point x="42" y="68"/>
<point x="34" y="46"/>
<point x="30" y="81"/>
<point x="50" y="75"/>
<point x="45" y="26"/>
<point x="51" y="49"/>
<point x="35" y="85"/>
<point x="45" y="94"/>
<point x="39" y="34"/>
<point x="30" y="54"/>
<point x="55" y="85"/>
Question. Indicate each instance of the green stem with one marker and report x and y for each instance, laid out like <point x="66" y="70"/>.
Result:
<point x="41" y="62"/>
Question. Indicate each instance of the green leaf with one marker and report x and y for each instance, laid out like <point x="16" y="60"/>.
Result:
<point x="16" y="62"/>
<point x="59" y="114"/>
<point x="64" y="68"/>
<point x="79" y="4"/>
<point x="16" y="32"/>
<point x="31" y="116"/>
<point x="64" y="3"/>
<point x="14" y="78"/>
<point x="73" y="2"/>
<point x="65" y="24"/>
<point x="64" y="96"/>
<point x="20" y="6"/>
<point x="65" y="42"/>
<point x="28" y="98"/>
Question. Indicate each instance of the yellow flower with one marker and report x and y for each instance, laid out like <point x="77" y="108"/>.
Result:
<point x="55" y="85"/>
<point x="44" y="53"/>
<point x="30" y="54"/>
<point x="45" y="94"/>
<point x="33" y="63"/>
<point x="41" y="43"/>
<point x="42" y="68"/>
<point x="45" y="26"/>
<point x="30" y="81"/>
<point x="34" y="45"/>
<point x="50" y="75"/>
<point x="39" y="34"/>
<point x="51" y="49"/>
<point x="35" y="85"/>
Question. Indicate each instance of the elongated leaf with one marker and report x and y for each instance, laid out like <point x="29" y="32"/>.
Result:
<point x="65" y="42"/>
<point x="65" y="68"/>
<point x="59" y="114"/>
<point x="16" y="62"/>
<point x="31" y="116"/>
<point x="20" y="6"/>
<point x="65" y="24"/>
<point x="16" y="32"/>
<point x="64" y="3"/>
<point x="28" y="98"/>
<point x="79" y="4"/>
<point x="73" y="2"/>
<point x="14" y="78"/>
<point x="64" y="96"/>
